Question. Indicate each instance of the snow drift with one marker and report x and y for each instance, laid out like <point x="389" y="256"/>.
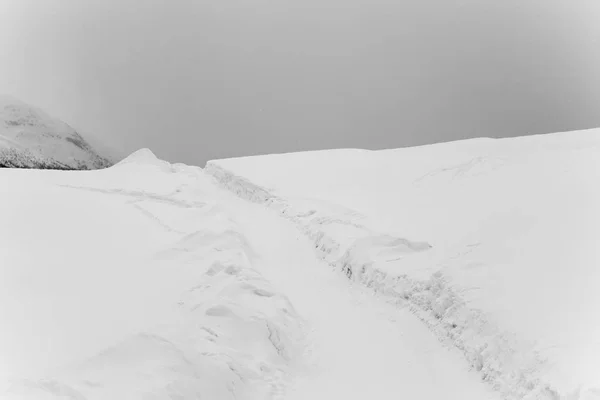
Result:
<point x="492" y="243"/>
<point x="133" y="283"/>
<point x="147" y="281"/>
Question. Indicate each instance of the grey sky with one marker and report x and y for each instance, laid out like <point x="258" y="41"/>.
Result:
<point x="201" y="79"/>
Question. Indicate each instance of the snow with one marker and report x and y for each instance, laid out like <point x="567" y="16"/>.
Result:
<point x="463" y="270"/>
<point x="358" y="347"/>
<point x="30" y="138"/>
<point x="514" y="225"/>
<point x="116" y="291"/>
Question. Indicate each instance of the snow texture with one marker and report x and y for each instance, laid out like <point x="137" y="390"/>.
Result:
<point x="171" y="307"/>
<point x="463" y="270"/>
<point x="507" y="280"/>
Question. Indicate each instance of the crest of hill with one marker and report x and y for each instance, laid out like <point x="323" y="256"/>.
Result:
<point x="141" y="156"/>
<point x="145" y="157"/>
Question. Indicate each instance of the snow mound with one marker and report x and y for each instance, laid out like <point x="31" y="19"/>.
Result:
<point x="168" y="301"/>
<point x="142" y="156"/>
<point x="29" y="138"/>
<point x="506" y="259"/>
<point x="145" y="157"/>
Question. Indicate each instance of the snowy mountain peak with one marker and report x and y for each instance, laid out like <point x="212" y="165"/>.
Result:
<point x="30" y="138"/>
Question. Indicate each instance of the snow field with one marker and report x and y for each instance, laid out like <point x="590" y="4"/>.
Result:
<point x="171" y="307"/>
<point x="510" y="224"/>
<point x="300" y="275"/>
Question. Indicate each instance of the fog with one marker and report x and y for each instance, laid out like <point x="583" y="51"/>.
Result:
<point x="205" y="79"/>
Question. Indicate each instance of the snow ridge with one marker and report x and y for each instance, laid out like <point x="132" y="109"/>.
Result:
<point x="510" y="366"/>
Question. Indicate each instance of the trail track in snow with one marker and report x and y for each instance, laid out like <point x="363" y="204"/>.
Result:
<point x="360" y="346"/>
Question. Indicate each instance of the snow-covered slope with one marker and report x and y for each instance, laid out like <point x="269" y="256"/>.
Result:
<point x="147" y="281"/>
<point x="494" y="244"/>
<point x="465" y="270"/>
<point x="29" y="138"/>
<point x="118" y="285"/>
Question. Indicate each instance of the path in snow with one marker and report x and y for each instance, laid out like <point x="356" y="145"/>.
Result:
<point x="360" y="347"/>
<point x="514" y="226"/>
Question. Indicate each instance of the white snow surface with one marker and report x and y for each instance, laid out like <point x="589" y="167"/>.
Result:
<point x="465" y="270"/>
<point x="493" y="243"/>
<point x="29" y="138"/>
<point x="147" y="281"/>
<point x="116" y="286"/>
